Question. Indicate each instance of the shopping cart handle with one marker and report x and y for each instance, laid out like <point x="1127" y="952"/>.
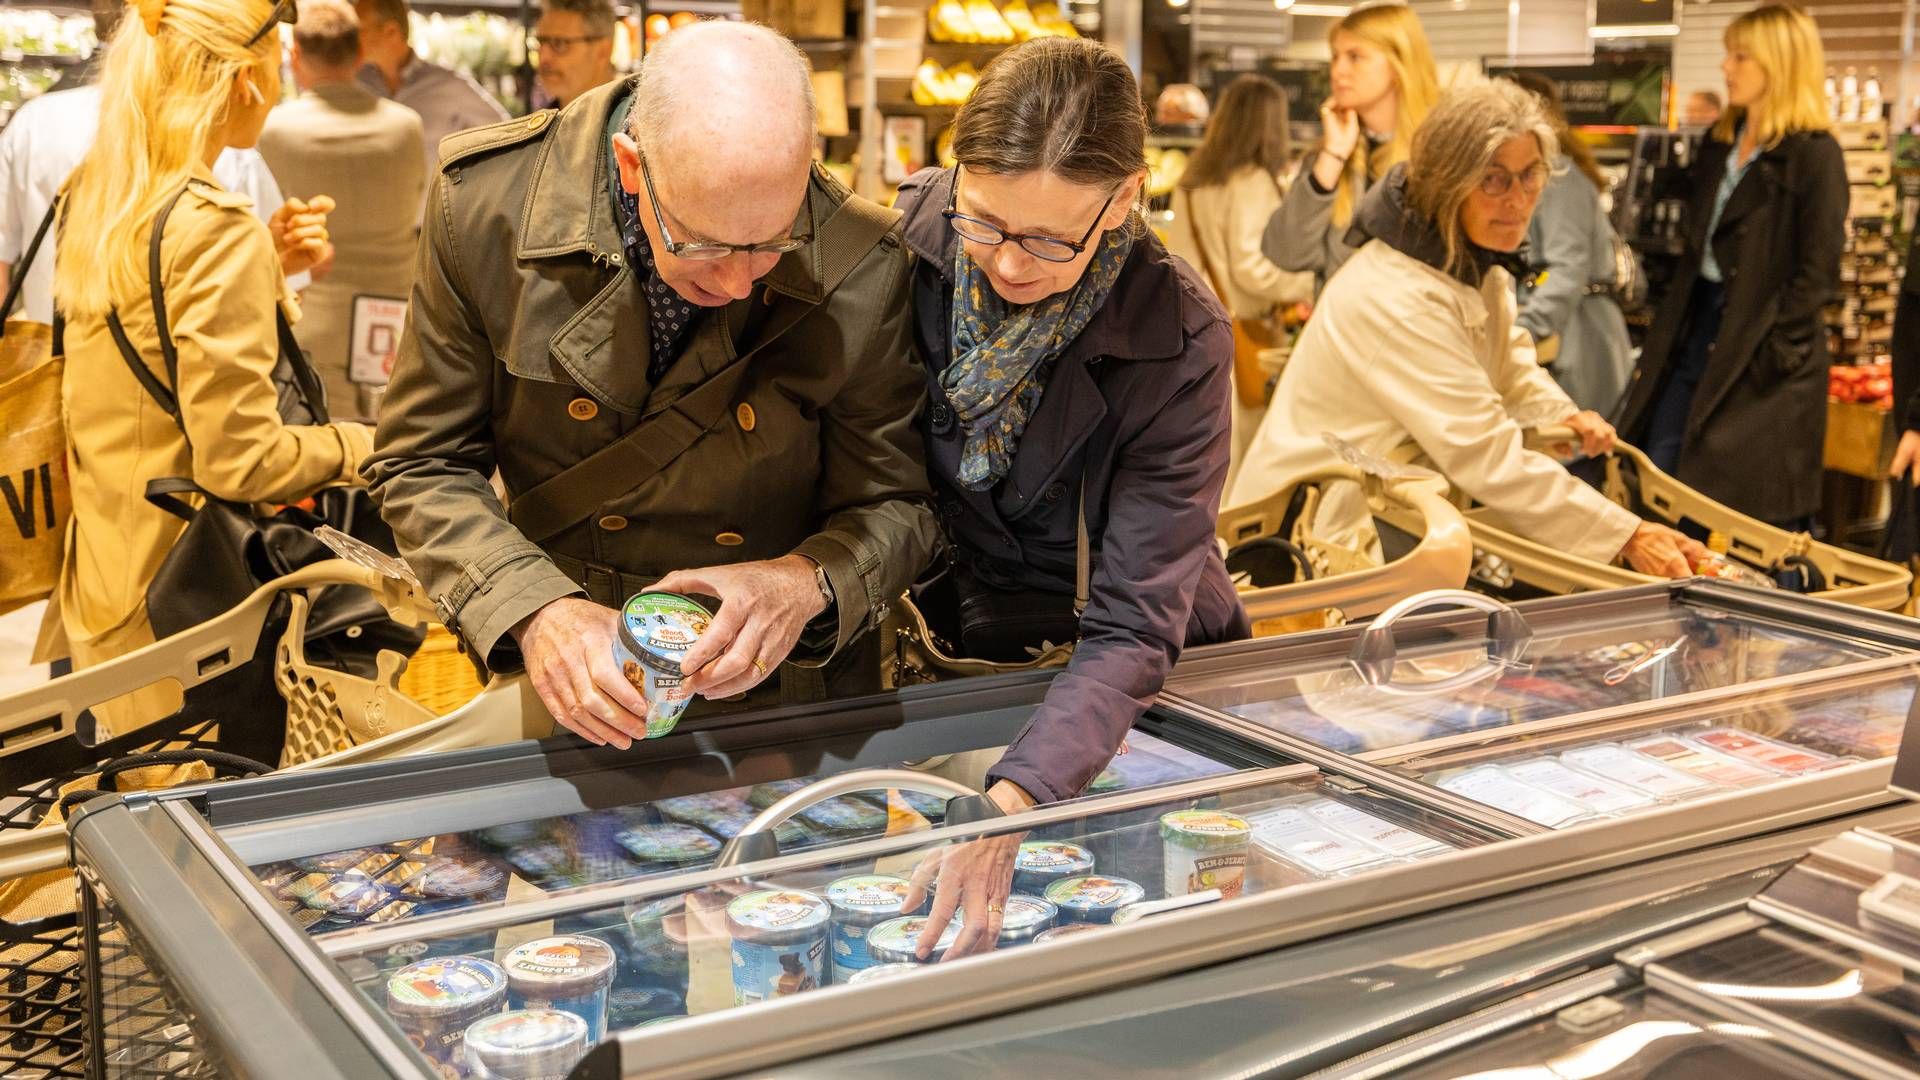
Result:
<point x="757" y="842"/>
<point x="1376" y="652"/>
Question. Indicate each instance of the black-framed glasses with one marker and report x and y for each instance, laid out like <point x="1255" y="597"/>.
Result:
<point x="707" y="250"/>
<point x="1047" y="248"/>
<point x="1499" y="180"/>
<point x="283" y="12"/>
<point x="562" y="44"/>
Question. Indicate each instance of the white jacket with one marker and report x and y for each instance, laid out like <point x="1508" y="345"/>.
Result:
<point x="1398" y="352"/>
<point x="1229" y="219"/>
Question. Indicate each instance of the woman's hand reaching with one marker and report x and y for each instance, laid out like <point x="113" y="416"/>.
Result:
<point x="974" y="880"/>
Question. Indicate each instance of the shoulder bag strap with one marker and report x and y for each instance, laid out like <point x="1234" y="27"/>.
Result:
<point x="1082" y="556"/>
<point x="1200" y="245"/>
<point x="575" y="493"/>
<point x="17" y="279"/>
<point x="159" y="391"/>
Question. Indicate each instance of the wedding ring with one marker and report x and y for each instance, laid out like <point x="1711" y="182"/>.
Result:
<point x="759" y="667"/>
<point x="995" y="909"/>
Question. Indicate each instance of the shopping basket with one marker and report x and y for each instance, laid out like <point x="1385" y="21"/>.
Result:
<point x="332" y="718"/>
<point x="1509" y="564"/>
<point x="1328" y="582"/>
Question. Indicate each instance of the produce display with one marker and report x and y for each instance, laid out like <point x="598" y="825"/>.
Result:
<point x="1863" y="384"/>
<point x="45" y="33"/>
<point x="978" y="22"/>
<point x="1165" y="167"/>
<point x="937" y="85"/>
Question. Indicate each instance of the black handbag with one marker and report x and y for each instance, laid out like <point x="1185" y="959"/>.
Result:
<point x="230" y="549"/>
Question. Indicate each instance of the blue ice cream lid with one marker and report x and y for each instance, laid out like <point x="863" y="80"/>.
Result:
<point x="1024" y="914"/>
<point x="882" y="971"/>
<point x="761" y="796"/>
<point x="1052" y="857"/>
<point x="899" y="939"/>
<point x="846" y="814"/>
<point x="779" y="912"/>
<point x="658" y="628"/>
<point x="670" y="843"/>
<point x="526" y="1043"/>
<point x="870" y="896"/>
<point x="1092" y="894"/>
<point x="446" y="985"/>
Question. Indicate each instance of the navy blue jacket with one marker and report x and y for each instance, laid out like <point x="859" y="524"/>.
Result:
<point x="1138" y="405"/>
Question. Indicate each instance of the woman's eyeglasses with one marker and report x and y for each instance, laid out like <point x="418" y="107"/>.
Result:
<point x="1047" y="248"/>
<point x="708" y="250"/>
<point x="1498" y="180"/>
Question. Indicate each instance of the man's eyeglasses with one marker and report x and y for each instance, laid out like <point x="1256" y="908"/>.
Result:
<point x="1047" y="248"/>
<point x="283" y="12"/>
<point x="1498" y="180"/>
<point x="707" y="250"/>
<point x="558" y="45"/>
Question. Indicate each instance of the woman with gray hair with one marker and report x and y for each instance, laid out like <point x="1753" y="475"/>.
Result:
<point x="1415" y="342"/>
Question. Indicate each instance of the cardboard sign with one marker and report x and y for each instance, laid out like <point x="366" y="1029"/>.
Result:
<point x="376" y="327"/>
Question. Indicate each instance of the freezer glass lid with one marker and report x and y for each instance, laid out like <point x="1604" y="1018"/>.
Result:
<point x="1581" y="772"/>
<point x="658" y="952"/>
<point x="1460" y="684"/>
<point x="1835" y="999"/>
<point x="517" y="861"/>
<point x="1635" y="1035"/>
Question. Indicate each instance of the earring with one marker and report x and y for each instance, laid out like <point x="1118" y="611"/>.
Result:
<point x="253" y="90"/>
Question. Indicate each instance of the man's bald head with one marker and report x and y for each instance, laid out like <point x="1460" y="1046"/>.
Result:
<point x="725" y="95"/>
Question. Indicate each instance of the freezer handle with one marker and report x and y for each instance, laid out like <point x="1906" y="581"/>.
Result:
<point x="1375" y="652"/>
<point x="757" y="842"/>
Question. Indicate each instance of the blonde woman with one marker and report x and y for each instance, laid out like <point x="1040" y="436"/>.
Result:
<point x="1417" y="343"/>
<point x="1384" y="83"/>
<point x="1225" y="199"/>
<point x="1730" y="393"/>
<point x="183" y="80"/>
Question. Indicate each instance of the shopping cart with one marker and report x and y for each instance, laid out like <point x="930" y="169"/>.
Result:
<point x="1321" y="583"/>
<point x="333" y="718"/>
<point x="1512" y="566"/>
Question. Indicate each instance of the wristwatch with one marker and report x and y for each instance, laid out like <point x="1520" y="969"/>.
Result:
<point x="820" y="582"/>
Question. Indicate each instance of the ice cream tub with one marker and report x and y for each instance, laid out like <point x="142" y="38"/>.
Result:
<point x="897" y="941"/>
<point x="657" y="937"/>
<point x="1040" y="863"/>
<point x="526" y="1044"/>
<point x="435" y="1001"/>
<point x="1204" y="849"/>
<point x="1093" y="899"/>
<point x="572" y="973"/>
<point x="1062" y="932"/>
<point x="656" y="630"/>
<point x="472" y="880"/>
<point x="631" y="1006"/>
<point x="860" y="903"/>
<point x="668" y="845"/>
<point x="1025" y="918"/>
<point x="779" y="943"/>
<point x="881" y="972"/>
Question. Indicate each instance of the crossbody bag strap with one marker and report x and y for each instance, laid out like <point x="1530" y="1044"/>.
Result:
<point x="577" y="492"/>
<point x="1082" y="556"/>
<point x="162" y="393"/>
<point x="18" y="279"/>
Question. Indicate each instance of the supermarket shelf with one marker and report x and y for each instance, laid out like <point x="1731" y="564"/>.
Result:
<point x="10" y="56"/>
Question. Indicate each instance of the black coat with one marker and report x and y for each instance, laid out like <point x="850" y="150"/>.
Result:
<point x="1138" y="406"/>
<point x="1756" y="431"/>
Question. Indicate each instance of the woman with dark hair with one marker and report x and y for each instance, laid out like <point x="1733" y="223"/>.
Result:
<point x="1571" y="243"/>
<point x="1079" y="377"/>
<point x="1229" y="192"/>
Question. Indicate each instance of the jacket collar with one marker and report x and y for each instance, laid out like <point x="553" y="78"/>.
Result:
<point x="1755" y="188"/>
<point x="1385" y="216"/>
<point x="1127" y="326"/>
<point x="564" y="216"/>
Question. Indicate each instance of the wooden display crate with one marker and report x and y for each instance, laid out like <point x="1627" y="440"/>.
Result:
<point x="1860" y="440"/>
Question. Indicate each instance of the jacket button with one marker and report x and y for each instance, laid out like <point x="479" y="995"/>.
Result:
<point x="1055" y="491"/>
<point x="613" y="523"/>
<point x="583" y="408"/>
<point x="744" y="414"/>
<point x="730" y="539"/>
<point x="942" y="417"/>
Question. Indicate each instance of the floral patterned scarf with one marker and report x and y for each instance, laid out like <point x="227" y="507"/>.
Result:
<point x="1002" y="354"/>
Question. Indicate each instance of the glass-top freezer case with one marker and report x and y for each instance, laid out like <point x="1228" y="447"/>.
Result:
<point x="489" y="911"/>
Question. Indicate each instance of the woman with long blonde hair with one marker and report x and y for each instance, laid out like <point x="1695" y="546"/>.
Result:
<point x="1735" y="363"/>
<point x="1384" y="84"/>
<point x="183" y="80"/>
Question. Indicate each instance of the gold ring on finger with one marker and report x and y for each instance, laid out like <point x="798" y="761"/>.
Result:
<point x="758" y="667"/>
<point x="995" y="909"/>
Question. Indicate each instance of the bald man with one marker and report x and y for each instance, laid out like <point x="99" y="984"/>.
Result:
<point x="685" y="349"/>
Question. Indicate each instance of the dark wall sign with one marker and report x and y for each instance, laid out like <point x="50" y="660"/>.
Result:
<point x="1632" y="12"/>
<point x="1613" y="92"/>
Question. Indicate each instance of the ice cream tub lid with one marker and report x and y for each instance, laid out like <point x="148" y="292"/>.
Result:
<point x="778" y="915"/>
<point x="569" y="965"/>
<point x="761" y="796"/>
<point x="349" y="894"/>
<point x="1090" y="893"/>
<point x="527" y="1043"/>
<point x="1052" y="857"/>
<point x="846" y="814"/>
<point x="868" y="897"/>
<point x="1025" y="915"/>
<point x="1205" y="829"/>
<point x="629" y="1006"/>
<point x="898" y="940"/>
<point x="1066" y="931"/>
<point x="658" y="628"/>
<point x="881" y="971"/>
<point x="459" y="878"/>
<point x="445" y="986"/>
<point x="668" y="843"/>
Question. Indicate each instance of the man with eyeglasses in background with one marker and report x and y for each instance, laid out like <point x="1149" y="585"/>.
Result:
<point x="447" y="100"/>
<point x="688" y="358"/>
<point x="575" y="43"/>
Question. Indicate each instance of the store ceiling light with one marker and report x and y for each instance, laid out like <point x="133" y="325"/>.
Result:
<point x="1283" y="5"/>
<point x="1324" y="11"/>
<point x="1635" y="30"/>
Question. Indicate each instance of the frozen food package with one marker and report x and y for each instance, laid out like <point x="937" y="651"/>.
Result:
<point x="1494" y="786"/>
<point x="1396" y="840"/>
<point x="1290" y="836"/>
<point x="1682" y="754"/>
<point x="1601" y="794"/>
<point x="1638" y="771"/>
<point x="1764" y="752"/>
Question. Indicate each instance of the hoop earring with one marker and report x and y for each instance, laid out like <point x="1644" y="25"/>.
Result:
<point x="253" y="91"/>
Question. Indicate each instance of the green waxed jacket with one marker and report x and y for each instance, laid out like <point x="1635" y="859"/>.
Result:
<point x="526" y="352"/>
